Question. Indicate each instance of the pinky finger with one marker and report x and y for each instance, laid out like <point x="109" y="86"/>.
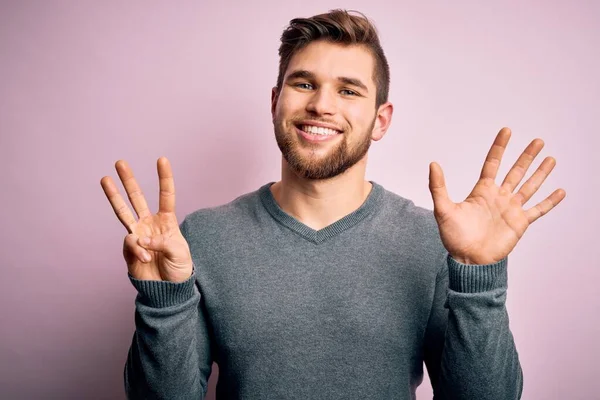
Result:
<point x="545" y="206"/>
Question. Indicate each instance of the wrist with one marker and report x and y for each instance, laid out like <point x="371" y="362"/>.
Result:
<point x="470" y="260"/>
<point x="476" y="278"/>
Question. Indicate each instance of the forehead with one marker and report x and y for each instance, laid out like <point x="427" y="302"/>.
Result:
<point x="331" y="60"/>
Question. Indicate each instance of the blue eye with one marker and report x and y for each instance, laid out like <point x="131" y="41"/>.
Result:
<point x="307" y="86"/>
<point x="349" y="92"/>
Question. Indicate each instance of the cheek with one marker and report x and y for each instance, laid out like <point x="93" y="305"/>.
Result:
<point x="288" y="107"/>
<point x="287" y="101"/>
<point x="358" y="117"/>
<point x="282" y="109"/>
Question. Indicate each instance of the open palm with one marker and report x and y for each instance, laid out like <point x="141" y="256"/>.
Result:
<point x="487" y="225"/>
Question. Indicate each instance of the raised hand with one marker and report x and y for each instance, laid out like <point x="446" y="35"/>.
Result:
<point x="154" y="249"/>
<point x="485" y="227"/>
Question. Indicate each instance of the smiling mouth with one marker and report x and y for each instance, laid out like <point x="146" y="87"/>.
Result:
<point x="318" y="130"/>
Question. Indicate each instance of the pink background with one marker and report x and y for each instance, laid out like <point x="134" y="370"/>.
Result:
<point x="86" y="83"/>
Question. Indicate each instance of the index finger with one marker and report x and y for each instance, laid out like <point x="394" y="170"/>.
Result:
<point x="166" y="198"/>
<point x="118" y="204"/>
<point x="136" y="197"/>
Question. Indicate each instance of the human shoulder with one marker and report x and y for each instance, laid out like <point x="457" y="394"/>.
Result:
<point x="410" y="233"/>
<point x="407" y="221"/>
<point x="218" y="220"/>
<point x="404" y="211"/>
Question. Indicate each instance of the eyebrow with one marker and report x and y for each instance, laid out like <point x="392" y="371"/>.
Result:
<point x="304" y="74"/>
<point x="353" y="82"/>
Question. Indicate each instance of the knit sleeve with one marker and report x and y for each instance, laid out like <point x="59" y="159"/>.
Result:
<point x="169" y="357"/>
<point x="469" y="348"/>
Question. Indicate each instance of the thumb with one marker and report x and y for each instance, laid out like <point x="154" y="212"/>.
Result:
<point x="437" y="187"/>
<point x="153" y="243"/>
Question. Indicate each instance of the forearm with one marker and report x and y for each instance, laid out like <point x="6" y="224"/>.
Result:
<point x="169" y="355"/>
<point x="479" y="359"/>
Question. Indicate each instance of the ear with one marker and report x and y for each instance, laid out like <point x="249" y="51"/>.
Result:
<point x="274" y="97"/>
<point x="383" y="120"/>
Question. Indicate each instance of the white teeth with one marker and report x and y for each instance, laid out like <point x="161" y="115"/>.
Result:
<point x="317" y="130"/>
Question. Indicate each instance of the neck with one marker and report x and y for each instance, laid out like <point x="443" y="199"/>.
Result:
<point x="319" y="203"/>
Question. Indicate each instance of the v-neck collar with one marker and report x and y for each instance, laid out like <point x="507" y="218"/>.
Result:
<point x="371" y="203"/>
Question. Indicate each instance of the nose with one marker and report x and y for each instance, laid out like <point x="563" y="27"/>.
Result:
<point x="322" y="102"/>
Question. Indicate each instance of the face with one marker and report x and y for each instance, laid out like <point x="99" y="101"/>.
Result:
<point x="325" y="116"/>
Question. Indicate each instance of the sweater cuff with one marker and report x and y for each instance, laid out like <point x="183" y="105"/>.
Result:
<point x="467" y="278"/>
<point x="159" y="294"/>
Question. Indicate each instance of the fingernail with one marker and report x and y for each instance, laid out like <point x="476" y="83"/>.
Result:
<point x="145" y="240"/>
<point x="147" y="257"/>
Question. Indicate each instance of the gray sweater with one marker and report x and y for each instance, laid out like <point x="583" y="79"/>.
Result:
<point x="351" y="311"/>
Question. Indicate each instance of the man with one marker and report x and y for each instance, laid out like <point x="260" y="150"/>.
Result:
<point x="325" y="285"/>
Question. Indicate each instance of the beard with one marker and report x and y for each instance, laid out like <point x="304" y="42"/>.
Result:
<point x="337" y="161"/>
